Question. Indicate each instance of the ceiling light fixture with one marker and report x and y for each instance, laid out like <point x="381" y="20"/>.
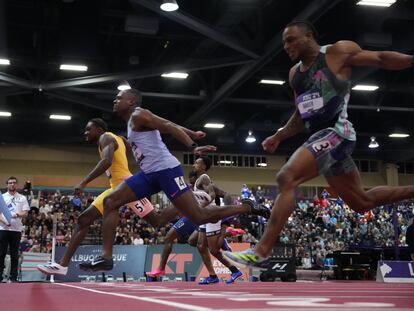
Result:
<point x="399" y="135"/>
<point x="124" y="85"/>
<point x="4" y="61"/>
<point x="175" y="75"/>
<point x="262" y="164"/>
<point x="250" y="138"/>
<point x="214" y="125"/>
<point x="373" y="143"/>
<point x="60" y="117"/>
<point x="364" y="87"/>
<point x="169" y="5"/>
<point x="5" y="114"/>
<point x="382" y="3"/>
<point x="277" y="82"/>
<point x="73" y="67"/>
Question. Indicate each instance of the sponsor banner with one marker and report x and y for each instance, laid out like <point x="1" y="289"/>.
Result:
<point x="186" y="259"/>
<point x="395" y="271"/>
<point x="127" y="258"/>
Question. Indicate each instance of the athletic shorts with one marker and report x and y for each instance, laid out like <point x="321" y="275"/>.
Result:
<point x="171" y="181"/>
<point x="332" y="152"/>
<point x="211" y="229"/>
<point x="141" y="207"/>
<point x="184" y="227"/>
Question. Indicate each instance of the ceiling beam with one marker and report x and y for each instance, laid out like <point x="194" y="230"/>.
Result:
<point x="147" y="72"/>
<point x="196" y="25"/>
<point x="312" y="13"/>
<point x="272" y="103"/>
<point x="82" y="100"/>
<point x="17" y="81"/>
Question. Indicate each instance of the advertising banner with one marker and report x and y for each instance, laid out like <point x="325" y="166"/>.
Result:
<point x="185" y="258"/>
<point x="127" y="258"/>
<point x="395" y="271"/>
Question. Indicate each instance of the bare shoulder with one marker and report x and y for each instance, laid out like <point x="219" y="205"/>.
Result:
<point x="107" y="139"/>
<point x="343" y="47"/>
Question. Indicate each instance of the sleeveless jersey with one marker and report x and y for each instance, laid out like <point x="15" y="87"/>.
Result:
<point x="202" y="197"/>
<point x="118" y="171"/>
<point x="322" y="99"/>
<point x="150" y="151"/>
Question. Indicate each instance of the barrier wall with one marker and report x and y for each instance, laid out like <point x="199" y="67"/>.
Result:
<point x="127" y="258"/>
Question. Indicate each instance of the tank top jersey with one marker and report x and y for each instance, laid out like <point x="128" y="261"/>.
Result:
<point x="322" y="99"/>
<point x="118" y="171"/>
<point x="150" y="151"/>
<point x="202" y="197"/>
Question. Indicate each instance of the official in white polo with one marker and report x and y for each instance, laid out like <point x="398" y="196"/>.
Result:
<point x="10" y="234"/>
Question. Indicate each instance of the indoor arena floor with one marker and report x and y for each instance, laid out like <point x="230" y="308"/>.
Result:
<point x="243" y="296"/>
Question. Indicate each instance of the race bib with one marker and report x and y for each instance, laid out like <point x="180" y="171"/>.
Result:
<point x="309" y="103"/>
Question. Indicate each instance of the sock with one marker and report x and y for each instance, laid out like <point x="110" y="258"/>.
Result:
<point x="213" y="276"/>
<point x="233" y="269"/>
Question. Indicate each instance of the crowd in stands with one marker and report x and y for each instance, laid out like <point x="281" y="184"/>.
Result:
<point x="317" y="227"/>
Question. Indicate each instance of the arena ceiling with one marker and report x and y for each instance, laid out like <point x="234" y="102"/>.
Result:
<point x="226" y="47"/>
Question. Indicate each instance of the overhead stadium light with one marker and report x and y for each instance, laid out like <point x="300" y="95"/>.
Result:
<point x="399" y="135"/>
<point x="123" y="86"/>
<point x="60" y="117"/>
<point x="175" y="75"/>
<point x="267" y="81"/>
<point x="262" y="164"/>
<point x="169" y="5"/>
<point x="364" y="87"/>
<point x="4" y="61"/>
<point x="73" y="67"/>
<point x="250" y="138"/>
<point x="5" y="114"/>
<point x="214" y="125"/>
<point x="382" y="3"/>
<point x="373" y="143"/>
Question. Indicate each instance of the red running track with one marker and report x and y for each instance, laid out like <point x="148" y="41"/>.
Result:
<point x="243" y="296"/>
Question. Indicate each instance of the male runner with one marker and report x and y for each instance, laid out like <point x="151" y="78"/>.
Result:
<point x="321" y="85"/>
<point x="114" y="163"/>
<point x="160" y="170"/>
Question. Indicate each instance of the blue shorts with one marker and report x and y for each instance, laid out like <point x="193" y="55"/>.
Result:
<point x="171" y="181"/>
<point x="332" y="153"/>
<point x="184" y="227"/>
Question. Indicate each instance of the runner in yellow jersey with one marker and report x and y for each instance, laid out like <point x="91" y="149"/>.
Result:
<point x="114" y="163"/>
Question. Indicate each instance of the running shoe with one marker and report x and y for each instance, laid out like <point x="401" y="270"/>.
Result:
<point x="257" y="209"/>
<point x="53" y="269"/>
<point x="233" y="277"/>
<point x="246" y="258"/>
<point x="209" y="280"/>
<point x="156" y="272"/>
<point x="98" y="264"/>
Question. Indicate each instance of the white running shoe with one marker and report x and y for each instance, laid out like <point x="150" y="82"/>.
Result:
<point x="53" y="268"/>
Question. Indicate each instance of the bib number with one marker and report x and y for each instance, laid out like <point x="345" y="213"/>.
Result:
<point x="309" y="103"/>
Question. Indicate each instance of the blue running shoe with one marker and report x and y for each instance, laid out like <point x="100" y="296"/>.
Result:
<point x="209" y="280"/>
<point x="234" y="276"/>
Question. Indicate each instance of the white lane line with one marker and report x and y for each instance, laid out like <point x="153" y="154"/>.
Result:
<point x="147" y="299"/>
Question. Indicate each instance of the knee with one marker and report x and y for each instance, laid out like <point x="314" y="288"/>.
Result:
<point x="109" y="203"/>
<point x="285" y="179"/>
<point x="192" y="242"/>
<point x="215" y="251"/>
<point x="201" y="247"/>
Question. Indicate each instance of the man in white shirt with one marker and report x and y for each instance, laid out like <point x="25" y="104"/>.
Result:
<point x="10" y="234"/>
